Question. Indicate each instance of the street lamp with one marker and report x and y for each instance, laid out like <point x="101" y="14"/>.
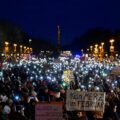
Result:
<point x="30" y="40"/>
<point x="87" y="50"/>
<point x="6" y="49"/>
<point x="106" y="55"/>
<point x="112" y="41"/>
<point x="102" y="45"/>
<point x="82" y="51"/>
<point x="116" y="55"/>
<point x="102" y="50"/>
<point x="24" y="49"/>
<point x="6" y="43"/>
<point x="91" y="48"/>
<point x="21" y="49"/>
<point x="15" y="50"/>
<point x="15" y="46"/>
<point x="96" y="50"/>
<point x="112" y="48"/>
<point x="101" y="57"/>
<point x="28" y="50"/>
<point x="31" y="50"/>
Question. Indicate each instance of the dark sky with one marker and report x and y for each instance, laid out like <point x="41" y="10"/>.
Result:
<point x="39" y="18"/>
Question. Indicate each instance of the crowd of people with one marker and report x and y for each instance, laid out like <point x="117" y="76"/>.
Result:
<point x="26" y="82"/>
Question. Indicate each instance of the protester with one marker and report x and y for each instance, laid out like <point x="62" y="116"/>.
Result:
<point x="27" y="82"/>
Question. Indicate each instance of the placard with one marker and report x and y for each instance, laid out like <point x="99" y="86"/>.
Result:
<point x="68" y="75"/>
<point x="85" y="101"/>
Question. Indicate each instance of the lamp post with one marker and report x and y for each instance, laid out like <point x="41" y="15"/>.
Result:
<point x="30" y="40"/>
<point x="24" y="49"/>
<point x="15" y="50"/>
<point x="6" y="49"/>
<point x="31" y="50"/>
<point x="96" y="51"/>
<point x="91" y="50"/>
<point x="116" y="55"/>
<point x="82" y="52"/>
<point x="15" y="46"/>
<point x="28" y="50"/>
<point x="102" y="50"/>
<point x="102" y="45"/>
<point x="112" y="49"/>
<point x="21" y="51"/>
<point x="100" y="55"/>
<point x="88" y="51"/>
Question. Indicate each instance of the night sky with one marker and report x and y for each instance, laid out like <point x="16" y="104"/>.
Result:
<point x="39" y="18"/>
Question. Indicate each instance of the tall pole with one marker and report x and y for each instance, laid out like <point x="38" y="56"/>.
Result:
<point x="58" y="32"/>
<point x="91" y="50"/>
<point x="21" y="51"/>
<point x="15" y="51"/>
<point x="96" y="51"/>
<point x="6" y="49"/>
<point x="101" y="51"/>
<point x="112" y="49"/>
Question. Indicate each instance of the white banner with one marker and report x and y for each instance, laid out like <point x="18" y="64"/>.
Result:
<point x="85" y="101"/>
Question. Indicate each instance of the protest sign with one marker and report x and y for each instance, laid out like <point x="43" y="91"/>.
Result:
<point x="116" y="71"/>
<point x="48" y="111"/>
<point x="68" y="75"/>
<point x="85" y="101"/>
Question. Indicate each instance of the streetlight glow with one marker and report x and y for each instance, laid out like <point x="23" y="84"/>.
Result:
<point x="6" y="43"/>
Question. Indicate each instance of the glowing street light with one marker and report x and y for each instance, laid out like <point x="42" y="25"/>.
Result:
<point x="30" y="40"/>
<point x="112" y="48"/>
<point x="24" y="49"/>
<point x="82" y="51"/>
<point x="116" y="55"/>
<point x="31" y="50"/>
<point x="6" y="49"/>
<point x="101" y="57"/>
<point x="100" y="47"/>
<point x="15" y="50"/>
<point x="28" y="50"/>
<point x="6" y="43"/>
<point x="21" y="49"/>
<point x="112" y="41"/>
<point x="15" y="46"/>
<point x="96" y="45"/>
<point x="91" y="48"/>
<point x="102" y="51"/>
<point x="96" y="50"/>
